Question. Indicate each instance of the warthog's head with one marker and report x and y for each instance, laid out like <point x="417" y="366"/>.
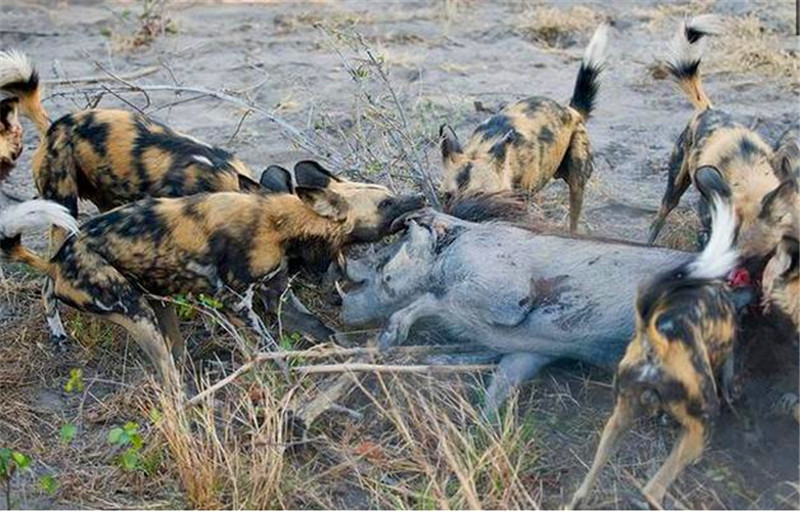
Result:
<point x="392" y="282"/>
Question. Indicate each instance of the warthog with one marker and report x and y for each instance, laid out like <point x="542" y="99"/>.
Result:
<point x="532" y="298"/>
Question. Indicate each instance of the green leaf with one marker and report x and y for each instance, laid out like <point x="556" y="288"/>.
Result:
<point x="136" y="442"/>
<point x="22" y="460"/>
<point x="130" y="428"/>
<point x="48" y="484"/>
<point x="68" y="431"/>
<point x="115" y="435"/>
<point x="130" y="459"/>
<point x="155" y="415"/>
<point x="75" y="382"/>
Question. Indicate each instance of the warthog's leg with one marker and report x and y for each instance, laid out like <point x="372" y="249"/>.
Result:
<point x="617" y="424"/>
<point x="514" y="369"/>
<point x="396" y="330"/>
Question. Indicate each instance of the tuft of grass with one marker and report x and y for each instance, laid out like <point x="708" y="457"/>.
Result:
<point x="748" y="46"/>
<point x="227" y="455"/>
<point x="554" y="27"/>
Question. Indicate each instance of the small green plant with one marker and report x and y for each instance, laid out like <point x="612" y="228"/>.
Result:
<point x="11" y="462"/>
<point x="185" y="308"/>
<point x="127" y="438"/>
<point x="75" y="382"/>
<point x="48" y="484"/>
<point x="67" y="433"/>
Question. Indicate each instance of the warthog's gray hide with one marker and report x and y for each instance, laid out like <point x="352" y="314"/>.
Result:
<point x="532" y="298"/>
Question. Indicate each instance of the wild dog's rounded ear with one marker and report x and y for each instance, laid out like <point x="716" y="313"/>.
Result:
<point x="666" y="326"/>
<point x="448" y="141"/>
<point x="277" y="179"/>
<point x="784" y="169"/>
<point x="709" y="181"/>
<point x="324" y="202"/>
<point x="311" y="174"/>
<point x="786" y="192"/>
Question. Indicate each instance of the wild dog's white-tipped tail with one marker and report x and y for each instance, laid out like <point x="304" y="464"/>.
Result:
<point x="37" y="213"/>
<point x="685" y="53"/>
<point x="15" y="70"/>
<point x="587" y="84"/>
<point x="595" y="54"/>
<point x="720" y="256"/>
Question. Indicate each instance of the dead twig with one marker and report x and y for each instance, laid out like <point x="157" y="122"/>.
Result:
<point x="393" y="368"/>
<point x="96" y="79"/>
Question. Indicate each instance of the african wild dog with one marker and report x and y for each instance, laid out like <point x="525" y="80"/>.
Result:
<point x="226" y="244"/>
<point x="113" y="158"/>
<point x="528" y="143"/>
<point x="10" y="136"/>
<point x="682" y="346"/>
<point x="712" y="138"/>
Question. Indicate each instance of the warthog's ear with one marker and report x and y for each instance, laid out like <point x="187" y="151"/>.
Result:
<point x="416" y="248"/>
<point x="709" y="181"/>
<point x="311" y="174"/>
<point x="277" y="179"/>
<point x="449" y="142"/>
<point x="324" y="202"/>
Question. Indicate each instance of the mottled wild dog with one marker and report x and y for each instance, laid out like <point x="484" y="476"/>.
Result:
<point x="712" y="138"/>
<point x="10" y="135"/>
<point x="527" y="144"/>
<point x="682" y="347"/>
<point x="227" y="244"/>
<point x="113" y="158"/>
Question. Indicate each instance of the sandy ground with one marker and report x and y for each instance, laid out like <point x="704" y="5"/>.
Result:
<point x="442" y="57"/>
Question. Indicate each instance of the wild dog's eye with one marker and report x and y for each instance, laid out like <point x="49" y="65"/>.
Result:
<point x="386" y="204"/>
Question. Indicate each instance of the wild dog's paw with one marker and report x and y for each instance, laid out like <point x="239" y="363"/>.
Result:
<point x="59" y="343"/>
<point x="787" y="405"/>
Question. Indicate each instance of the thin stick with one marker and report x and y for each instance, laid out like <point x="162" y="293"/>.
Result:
<point x="263" y="357"/>
<point x="96" y="79"/>
<point x="393" y="368"/>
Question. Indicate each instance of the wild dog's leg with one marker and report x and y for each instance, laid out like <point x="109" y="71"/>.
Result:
<point x="727" y="382"/>
<point x="578" y="167"/>
<point x="704" y="212"/>
<point x="143" y="326"/>
<point x="294" y="316"/>
<point x="239" y="310"/>
<point x="58" y="335"/>
<point x="619" y="422"/>
<point x="86" y="281"/>
<point x="514" y="369"/>
<point x="687" y="449"/>
<point x="396" y="330"/>
<point x="168" y="321"/>
<point x="678" y="181"/>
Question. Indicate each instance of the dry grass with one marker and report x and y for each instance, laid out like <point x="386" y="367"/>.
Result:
<point x="555" y="27"/>
<point x="750" y="47"/>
